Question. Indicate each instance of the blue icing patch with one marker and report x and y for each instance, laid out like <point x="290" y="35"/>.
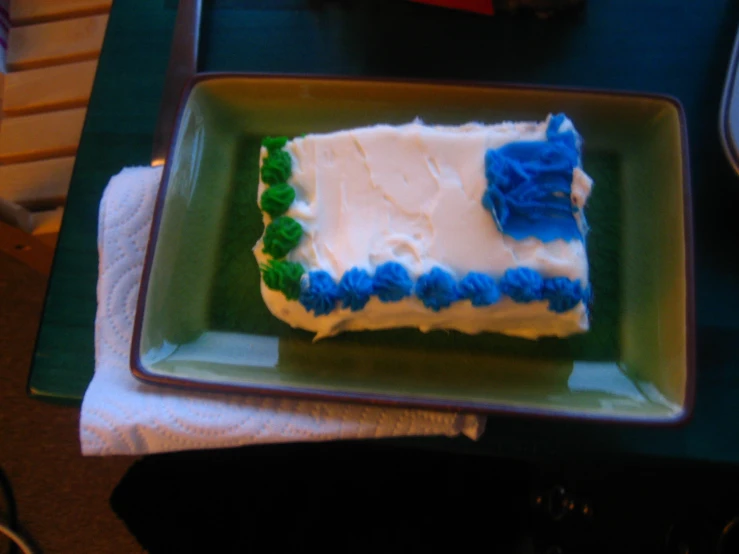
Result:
<point x="569" y="138"/>
<point x="355" y="289"/>
<point x="529" y="185"/>
<point x="391" y="282"/>
<point x="436" y="289"/>
<point x="562" y="293"/>
<point x="522" y="284"/>
<point x="319" y="293"/>
<point x="479" y="288"/>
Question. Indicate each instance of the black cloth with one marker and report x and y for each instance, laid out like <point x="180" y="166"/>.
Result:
<point x="350" y="496"/>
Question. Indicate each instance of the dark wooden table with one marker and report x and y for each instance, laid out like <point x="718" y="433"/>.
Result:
<point x="667" y="46"/>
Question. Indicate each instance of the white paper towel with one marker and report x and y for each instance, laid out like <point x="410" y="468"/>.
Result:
<point x="121" y="415"/>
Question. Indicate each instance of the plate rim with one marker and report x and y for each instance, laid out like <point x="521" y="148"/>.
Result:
<point x="679" y="418"/>
<point x="725" y="127"/>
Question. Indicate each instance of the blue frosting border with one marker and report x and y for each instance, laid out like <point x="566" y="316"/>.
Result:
<point x="438" y="289"/>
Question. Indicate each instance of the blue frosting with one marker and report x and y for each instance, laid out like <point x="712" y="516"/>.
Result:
<point x="319" y="293"/>
<point x="522" y="284"/>
<point x="569" y="138"/>
<point x="529" y="185"/>
<point x="479" y="288"/>
<point x="562" y="293"/>
<point x="391" y="282"/>
<point x="355" y="289"/>
<point x="437" y="289"/>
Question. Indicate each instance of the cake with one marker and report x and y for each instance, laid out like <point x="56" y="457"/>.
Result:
<point x="474" y="228"/>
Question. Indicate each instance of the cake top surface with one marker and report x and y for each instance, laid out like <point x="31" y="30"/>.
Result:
<point x="413" y="194"/>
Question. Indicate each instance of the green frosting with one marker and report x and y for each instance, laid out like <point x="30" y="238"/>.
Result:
<point x="281" y="236"/>
<point x="274" y="143"/>
<point x="284" y="277"/>
<point x="277" y="199"/>
<point x="277" y="167"/>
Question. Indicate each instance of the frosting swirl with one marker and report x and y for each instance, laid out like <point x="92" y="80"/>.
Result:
<point x="276" y="199"/>
<point x="436" y="289"/>
<point x="281" y="236"/>
<point x="274" y="143"/>
<point x="522" y="284"/>
<point x="277" y="167"/>
<point x="319" y="293"/>
<point x="355" y="289"/>
<point x="479" y="288"/>
<point x="562" y="293"/>
<point x="391" y="282"/>
<point x="283" y="276"/>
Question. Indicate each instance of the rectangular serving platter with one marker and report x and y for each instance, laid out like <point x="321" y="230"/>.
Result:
<point x="201" y="321"/>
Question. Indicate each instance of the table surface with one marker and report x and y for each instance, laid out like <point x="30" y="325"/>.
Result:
<point x="678" y="48"/>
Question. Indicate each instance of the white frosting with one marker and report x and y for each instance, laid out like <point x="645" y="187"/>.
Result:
<point x="413" y="194"/>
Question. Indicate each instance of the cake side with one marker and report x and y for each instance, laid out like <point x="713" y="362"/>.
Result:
<point x="412" y="198"/>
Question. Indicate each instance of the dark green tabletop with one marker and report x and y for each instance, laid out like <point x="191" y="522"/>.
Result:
<point x="679" y="48"/>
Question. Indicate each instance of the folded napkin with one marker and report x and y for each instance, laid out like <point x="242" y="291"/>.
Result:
<point x="121" y="415"/>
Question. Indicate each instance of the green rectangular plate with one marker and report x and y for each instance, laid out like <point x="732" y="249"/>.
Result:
<point x="201" y="321"/>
